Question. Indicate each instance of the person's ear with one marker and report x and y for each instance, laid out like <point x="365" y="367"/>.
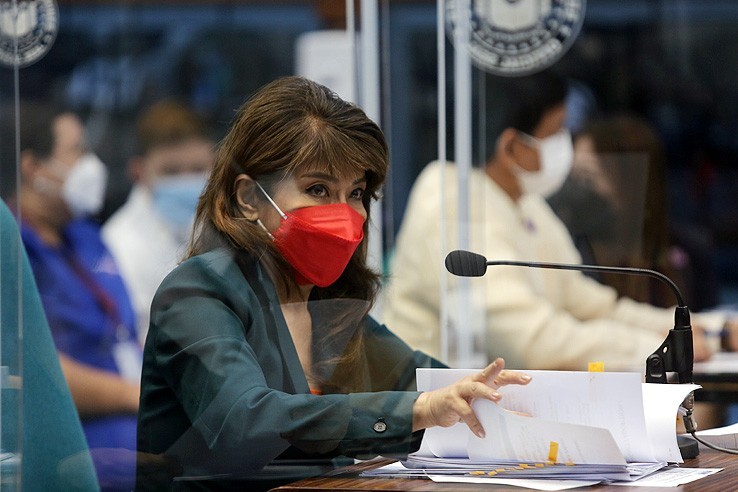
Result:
<point x="504" y="150"/>
<point x="246" y="197"/>
<point x="135" y="169"/>
<point x="29" y="163"/>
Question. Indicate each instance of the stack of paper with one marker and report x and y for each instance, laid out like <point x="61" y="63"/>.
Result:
<point x="421" y="467"/>
<point x="579" y="425"/>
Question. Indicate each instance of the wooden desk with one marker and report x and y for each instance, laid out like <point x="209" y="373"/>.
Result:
<point x="347" y="479"/>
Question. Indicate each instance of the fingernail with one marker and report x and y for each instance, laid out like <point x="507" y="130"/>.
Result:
<point x="481" y="434"/>
<point x="496" y="395"/>
<point x="526" y="377"/>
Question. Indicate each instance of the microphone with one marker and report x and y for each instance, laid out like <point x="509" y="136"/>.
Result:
<point x="676" y="353"/>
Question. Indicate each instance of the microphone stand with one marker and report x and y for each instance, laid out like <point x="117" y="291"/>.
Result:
<point x="676" y="353"/>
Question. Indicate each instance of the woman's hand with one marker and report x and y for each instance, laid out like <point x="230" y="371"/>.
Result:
<point x="446" y="406"/>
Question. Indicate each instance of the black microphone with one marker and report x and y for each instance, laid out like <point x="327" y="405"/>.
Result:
<point x="676" y="353"/>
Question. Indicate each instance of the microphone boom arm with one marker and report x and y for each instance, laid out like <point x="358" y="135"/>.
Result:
<point x="676" y="353"/>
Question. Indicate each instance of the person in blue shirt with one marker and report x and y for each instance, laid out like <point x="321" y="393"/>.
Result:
<point x="92" y="323"/>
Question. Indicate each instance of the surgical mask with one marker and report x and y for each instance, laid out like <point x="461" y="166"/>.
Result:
<point x="555" y="153"/>
<point x="175" y="199"/>
<point x="318" y="241"/>
<point x="84" y="186"/>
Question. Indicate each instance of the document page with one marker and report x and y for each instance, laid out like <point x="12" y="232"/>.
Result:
<point x="613" y="400"/>
<point x="514" y="437"/>
<point x="659" y="402"/>
<point x="640" y="417"/>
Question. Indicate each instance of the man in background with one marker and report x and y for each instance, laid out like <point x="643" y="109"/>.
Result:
<point x="534" y="318"/>
<point x="62" y="185"/>
<point x="149" y="233"/>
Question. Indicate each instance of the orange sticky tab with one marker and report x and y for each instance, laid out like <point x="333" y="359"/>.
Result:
<point x="596" y="367"/>
<point x="553" y="451"/>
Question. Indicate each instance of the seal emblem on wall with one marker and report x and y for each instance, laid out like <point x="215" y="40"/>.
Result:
<point x="518" y="37"/>
<point x="27" y="30"/>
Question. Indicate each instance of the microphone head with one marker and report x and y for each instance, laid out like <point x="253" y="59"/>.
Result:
<point x="466" y="264"/>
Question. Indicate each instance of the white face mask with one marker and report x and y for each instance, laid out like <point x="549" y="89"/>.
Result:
<point x="84" y="186"/>
<point x="555" y="154"/>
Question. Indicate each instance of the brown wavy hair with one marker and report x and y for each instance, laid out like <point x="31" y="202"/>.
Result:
<point x="289" y="125"/>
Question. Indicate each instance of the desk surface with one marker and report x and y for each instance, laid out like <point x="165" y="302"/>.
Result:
<point x="347" y="479"/>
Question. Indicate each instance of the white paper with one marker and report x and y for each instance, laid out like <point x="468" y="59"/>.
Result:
<point x="530" y="483"/>
<point x="671" y="477"/>
<point x="726" y="437"/>
<point x="660" y="401"/>
<point x="619" y="402"/>
<point x="613" y="400"/>
<point x="514" y="437"/>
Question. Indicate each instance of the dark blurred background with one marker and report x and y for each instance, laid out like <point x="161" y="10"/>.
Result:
<point x="671" y="61"/>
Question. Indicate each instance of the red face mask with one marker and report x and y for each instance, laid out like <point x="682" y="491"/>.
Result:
<point x="318" y="241"/>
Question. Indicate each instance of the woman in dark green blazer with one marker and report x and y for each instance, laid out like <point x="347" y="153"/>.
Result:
<point x="260" y="345"/>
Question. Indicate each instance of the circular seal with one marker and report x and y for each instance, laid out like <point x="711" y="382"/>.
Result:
<point x="27" y="30"/>
<point x="517" y="37"/>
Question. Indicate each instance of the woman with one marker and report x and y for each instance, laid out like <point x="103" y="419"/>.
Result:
<point x="260" y="345"/>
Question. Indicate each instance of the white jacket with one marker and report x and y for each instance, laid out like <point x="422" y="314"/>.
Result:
<point x="534" y="318"/>
<point x="145" y="249"/>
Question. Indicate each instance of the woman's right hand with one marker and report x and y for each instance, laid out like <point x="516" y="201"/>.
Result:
<point x="446" y="406"/>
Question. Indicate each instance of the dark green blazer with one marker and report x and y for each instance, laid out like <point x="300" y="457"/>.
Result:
<point x="223" y="392"/>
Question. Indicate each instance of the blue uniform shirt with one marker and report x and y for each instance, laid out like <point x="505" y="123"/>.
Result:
<point x="89" y="311"/>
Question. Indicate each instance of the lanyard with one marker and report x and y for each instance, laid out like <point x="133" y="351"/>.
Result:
<point x="103" y="299"/>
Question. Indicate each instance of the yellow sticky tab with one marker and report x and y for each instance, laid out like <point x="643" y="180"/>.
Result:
<point x="539" y="465"/>
<point x="476" y="473"/>
<point x="492" y="473"/>
<point x="596" y="366"/>
<point x="553" y="451"/>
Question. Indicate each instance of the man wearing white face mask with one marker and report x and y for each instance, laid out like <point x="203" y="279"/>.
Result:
<point x="85" y="301"/>
<point x="148" y="234"/>
<point x="534" y="318"/>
